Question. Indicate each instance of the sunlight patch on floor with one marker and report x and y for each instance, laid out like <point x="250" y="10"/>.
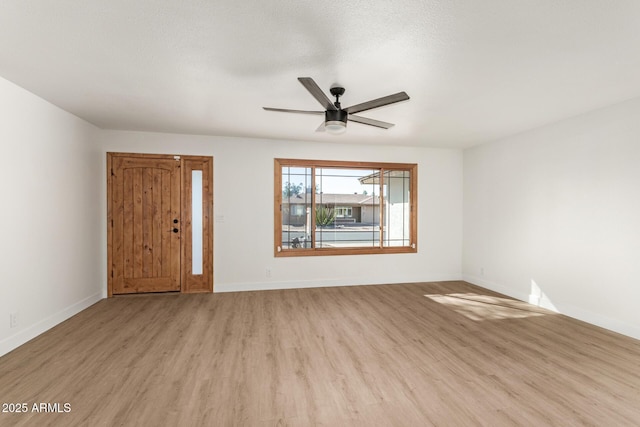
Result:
<point x="486" y="307"/>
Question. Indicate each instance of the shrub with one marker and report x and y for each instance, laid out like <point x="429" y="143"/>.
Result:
<point x="325" y="216"/>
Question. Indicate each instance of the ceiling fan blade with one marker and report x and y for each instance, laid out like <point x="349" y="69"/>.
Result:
<point x="371" y="122"/>
<point x="284" y="110"/>
<point x="317" y="93"/>
<point x="385" y="100"/>
<point x="321" y="127"/>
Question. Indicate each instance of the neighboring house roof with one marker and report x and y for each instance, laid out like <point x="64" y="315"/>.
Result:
<point x="374" y="178"/>
<point x="335" y="199"/>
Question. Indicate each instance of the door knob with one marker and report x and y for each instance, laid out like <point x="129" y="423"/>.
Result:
<point x="175" y="230"/>
<point x="175" y="221"/>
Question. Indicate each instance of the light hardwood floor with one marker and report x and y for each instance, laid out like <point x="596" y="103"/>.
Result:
<point x="445" y="354"/>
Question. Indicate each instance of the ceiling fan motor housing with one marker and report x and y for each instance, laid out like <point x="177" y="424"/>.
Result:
<point x="335" y="116"/>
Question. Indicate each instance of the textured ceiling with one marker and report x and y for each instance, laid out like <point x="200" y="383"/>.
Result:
<point x="476" y="71"/>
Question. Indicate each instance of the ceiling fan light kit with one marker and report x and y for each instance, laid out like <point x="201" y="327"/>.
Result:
<point x="335" y="121"/>
<point x="336" y="117"/>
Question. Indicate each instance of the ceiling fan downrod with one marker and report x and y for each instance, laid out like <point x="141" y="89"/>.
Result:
<point x="337" y="92"/>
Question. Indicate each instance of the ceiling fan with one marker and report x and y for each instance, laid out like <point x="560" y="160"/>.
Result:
<point x="335" y="117"/>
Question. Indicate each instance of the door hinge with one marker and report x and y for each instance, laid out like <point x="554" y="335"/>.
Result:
<point x="112" y="174"/>
<point x="111" y="273"/>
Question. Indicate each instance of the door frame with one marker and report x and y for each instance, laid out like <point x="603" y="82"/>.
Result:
<point x="189" y="283"/>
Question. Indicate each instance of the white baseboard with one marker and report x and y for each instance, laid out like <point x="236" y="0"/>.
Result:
<point x="30" y="332"/>
<point x="605" y="322"/>
<point x="596" y="319"/>
<point x="479" y="281"/>
<point x="300" y="284"/>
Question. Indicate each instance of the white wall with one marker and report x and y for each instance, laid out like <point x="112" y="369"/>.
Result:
<point x="51" y="191"/>
<point x="550" y="216"/>
<point x="243" y="242"/>
<point x="553" y="216"/>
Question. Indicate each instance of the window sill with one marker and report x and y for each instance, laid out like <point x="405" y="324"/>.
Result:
<point x="350" y="251"/>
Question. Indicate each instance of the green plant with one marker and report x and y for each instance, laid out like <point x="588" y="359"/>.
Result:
<point x="325" y="216"/>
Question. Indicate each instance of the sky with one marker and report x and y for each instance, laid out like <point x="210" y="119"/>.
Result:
<point x="330" y="180"/>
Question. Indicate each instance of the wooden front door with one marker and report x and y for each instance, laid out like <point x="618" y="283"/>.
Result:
<point x="159" y="223"/>
<point x="145" y="210"/>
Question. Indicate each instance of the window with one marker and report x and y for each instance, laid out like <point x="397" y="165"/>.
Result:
<point x="343" y="211"/>
<point x="298" y="210"/>
<point x="336" y="208"/>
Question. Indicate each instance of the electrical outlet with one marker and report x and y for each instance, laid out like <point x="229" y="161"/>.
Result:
<point x="268" y="272"/>
<point x="13" y="320"/>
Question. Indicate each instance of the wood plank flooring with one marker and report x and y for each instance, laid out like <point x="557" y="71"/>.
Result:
<point x="442" y="354"/>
